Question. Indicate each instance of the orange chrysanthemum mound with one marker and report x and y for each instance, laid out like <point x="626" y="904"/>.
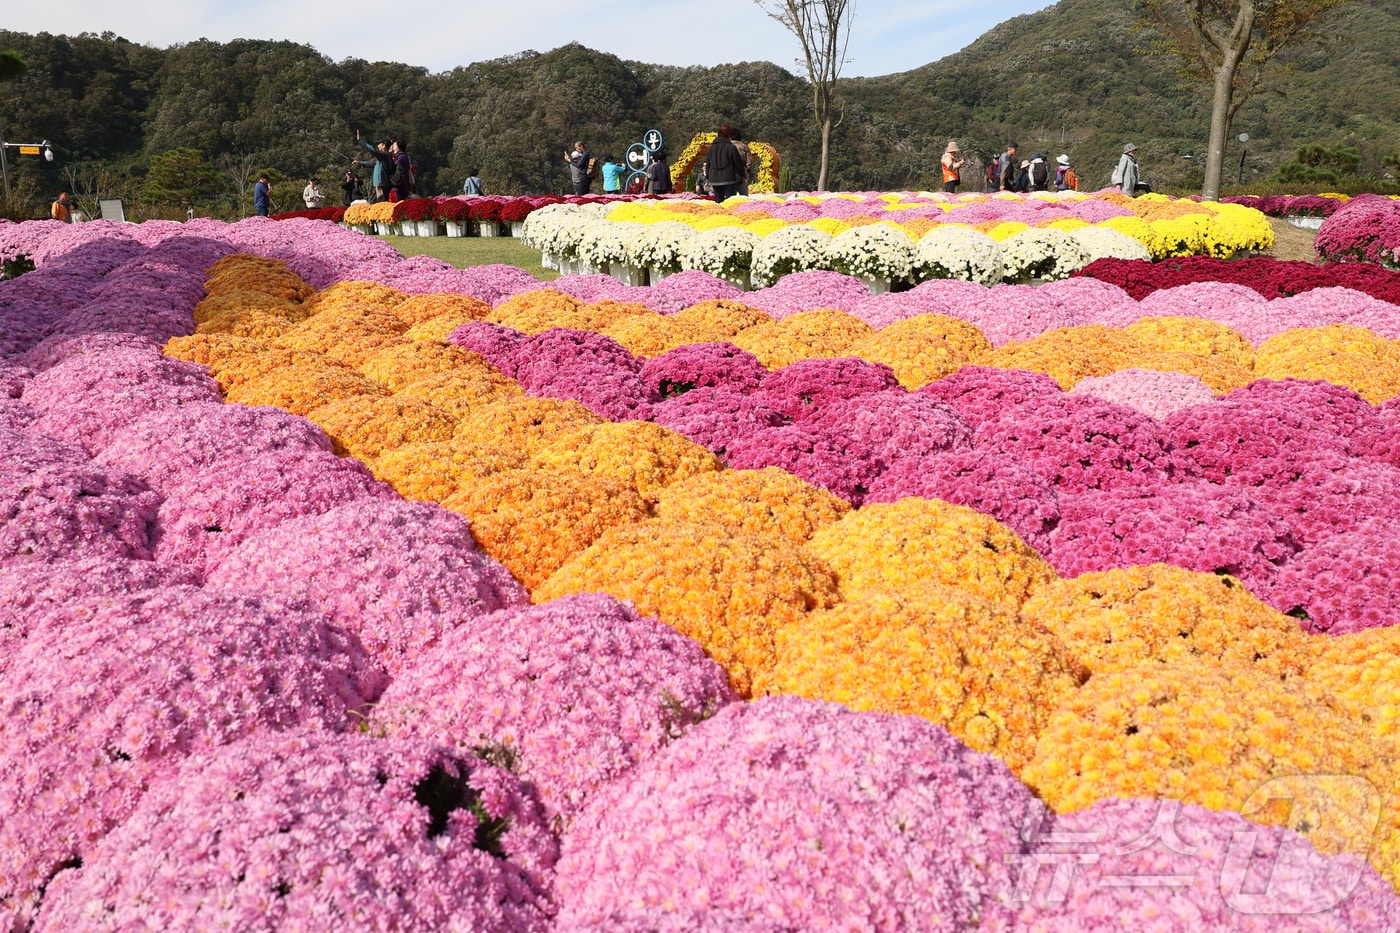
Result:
<point x="643" y="455"/>
<point x="721" y="318"/>
<point x="366" y="426"/>
<point x="770" y="502"/>
<point x="433" y="471"/>
<point x="242" y="300"/>
<point x="400" y="365"/>
<point x="332" y="326"/>
<point x="303" y="387"/>
<point x="246" y="272"/>
<point x="532" y="521"/>
<point x="437" y="328"/>
<point x="419" y="309"/>
<point x="524" y="422"/>
<point x="729" y="590"/>
<point x="963" y="337"/>
<point x="1342" y="354"/>
<point x="344" y="295"/>
<point x="1068" y="354"/>
<point x="892" y="545"/>
<point x="235" y="370"/>
<point x="1201" y="336"/>
<point x="1362" y="672"/>
<point x="916" y="359"/>
<point x="246" y="323"/>
<point x="213" y="350"/>
<point x="464" y="390"/>
<point x="1112" y="620"/>
<point x="649" y="335"/>
<point x="930" y="650"/>
<point x="537" y="311"/>
<point x="823" y="333"/>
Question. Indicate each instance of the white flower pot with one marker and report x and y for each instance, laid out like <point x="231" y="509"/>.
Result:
<point x="629" y="275"/>
<point x="383" y="229"/>
<point x="549" y="261"/>
<point x="517" y="228"/>
<point x="1307" y="223"/>
<point x="428" y="228"/>
<point x="407" y="228"/>
<point x="876" y="286"/>
<point x="490" y="228"/>
<point x="362" y="228"/>
<point x="656" y="275"/>
<point x="456" y="228"/>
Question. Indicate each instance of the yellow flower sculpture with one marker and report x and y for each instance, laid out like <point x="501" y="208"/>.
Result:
<point x="463" y="391"/>
<point x="1113" y="620"/>
<point x="524" y="423"/>
<point x="930" y="650"/>
<point x="770" y="502"/>
<point x="891" y="545"/>
<point x="532" y="521"/>
<point x="302" y="388"/>
<point x="729" y="590"/>
<point x="402" y="365"/>
<point x="365" y="426"/>
<point x="1192" y="335"/>
<point x="643" y="455"/>
<point x="418" y="309"/>
<point x="1068" y="354"/>
<point x="433" y="471"/>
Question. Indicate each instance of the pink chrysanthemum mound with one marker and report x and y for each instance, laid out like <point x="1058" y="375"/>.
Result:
<point x="663" y="921"/>
<point x="980" y="393"/>
<point x="1161" y="865"/>
<point x="397" y="574"/>
<point x="496" y="344"/>
<point x="305" y="831"/>
<point x="589" y="368"/>
<point x="698" y="365"/>
<point x="717" y="417"/>
<point x="579" y="690"/>
<point x="109" y="691"/>
<point x="834" y="461"/>
<point x="1155" y="394"/>
<point x="806" y="386"/>
<point x="1347" y="583"/>
<point x="804" y="813"/>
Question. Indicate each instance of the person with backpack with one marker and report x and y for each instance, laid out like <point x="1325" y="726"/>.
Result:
<point x="952" y="162"/>
<point x="746" y="157"/>
<point x="1065" y="179"/>
<point x="582" y="168"/>
<point x="1006" y="169"/>
<point x="1037" y="173"/>
<point x="1125" y="176"/>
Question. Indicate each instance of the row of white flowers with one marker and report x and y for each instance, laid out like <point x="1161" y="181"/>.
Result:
<point x="879" y="251"/>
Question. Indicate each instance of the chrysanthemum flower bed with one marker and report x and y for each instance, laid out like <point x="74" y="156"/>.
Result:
<point x="1143" y="596"/>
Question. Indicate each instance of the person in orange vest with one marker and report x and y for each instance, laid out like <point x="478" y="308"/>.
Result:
<point x="62" y="208"/>
<point x="1065" y="179"/>
<point x="952" y="167"/>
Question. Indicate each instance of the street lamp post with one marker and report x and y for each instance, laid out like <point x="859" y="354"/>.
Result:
<point x="24" y="149"/>
<point x="1244" y="141"/>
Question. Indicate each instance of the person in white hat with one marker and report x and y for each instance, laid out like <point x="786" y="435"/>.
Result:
<point x="952" y="167"/>
<point x="1126" y="175"/>
<point x="1065" y="179"/>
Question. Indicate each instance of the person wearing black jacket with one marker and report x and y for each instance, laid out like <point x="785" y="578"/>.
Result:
<point x="659" y="174"/>
<point x="724" y="168"/>
<point x="351" y="187"/>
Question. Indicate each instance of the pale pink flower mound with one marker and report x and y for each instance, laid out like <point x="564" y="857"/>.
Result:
<point x="578" y="690"/>
<point x="1160" y="865"/>
<point x="107" y="692"/>
<point x="310" y="831"/>
<point x="808" y="815"/>
<point x="397" y="574"/>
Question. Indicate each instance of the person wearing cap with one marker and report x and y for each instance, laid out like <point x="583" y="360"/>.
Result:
<point x="1006" y="168"/>
<point x="1065" y="179"/>
<point x="1127" y="172"/>
<point x="952" y="167"/>
<point x="383" y="166"/>
<point x="1023" y="177"/>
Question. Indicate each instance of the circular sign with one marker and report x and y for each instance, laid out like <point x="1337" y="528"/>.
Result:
<point x="638" y="157"/>
<point x="637" y="183"/>
<point x="1244" y="137"/>
<point x="652" y="140"/>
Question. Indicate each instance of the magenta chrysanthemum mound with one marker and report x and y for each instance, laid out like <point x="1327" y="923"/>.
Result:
<point x="698" y="365"/>
<point x="1327" y="494"/>
<point x="807" y="813"/>
<point x="397" y="574"/>
<point x="717" y="418"/>
<point x="586" y="367"/>
<point x="209" y="514"/>
<point x="1165" y="866"/>
<point x="807" y="386"/>
<point x="305" y="831"/>
<point x="834" y="461"/>
<point x="893" y="425"/>
<point x="1346" y="583"/>
<point x="57" y="503"/>
<point x="579" y="690"/>
<point x="980" y="393"/>
<point x="1154" y="393"/>
<point x="166" y="447"/>
<point x="496" y="344"/>
<point x="658" y="920"/>
<point x="108" y="692"/>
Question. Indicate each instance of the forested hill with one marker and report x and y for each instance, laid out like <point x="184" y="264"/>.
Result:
<point x="1070" y="78"/>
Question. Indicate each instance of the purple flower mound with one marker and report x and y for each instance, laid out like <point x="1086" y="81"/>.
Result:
<point x="1327" y="494"/>
<point x="13" y="379"/>
<point x="51" y="351"/>
<point x="1162" y="865"/>
<point x="697" y="365"/>
<point x="109" y="692"/>
<point x="662" y="921"/>
<point x="1013" y="494"/>
<point x="808" y="815"/>
<point x="167" y="448"/>
<point x="807" y="291"/>
<point x="717" y="417"/>
<point x="87" y="398"/>
<point x="307" y="831"/>
<point x="894" y="425"/>
<point x="579" y="690"/>
<point x="1255" y="434"/>
<point x="1346" y="583"/>
<point x="1194" y="525"/>
<point x="397" y="574"/>
<point x="1079" y="442"/>
<point x="830" y="459"/>
<point x="807" y="386"/>
<point x="587" y="367"/>
<point x="678" y="292"/>
<point x="495" y="343"/>
<point x="1380" y="441"/>
<point x="55" y="503"/>
<point x="1154" y="393"/>
<point x="981" y="393"/>
<point x="208" y="515"/>
<point x="15" y="416"/>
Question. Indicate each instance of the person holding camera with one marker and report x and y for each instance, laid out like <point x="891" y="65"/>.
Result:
<point x="582" y="167"/>
<point x="351" y="188"/>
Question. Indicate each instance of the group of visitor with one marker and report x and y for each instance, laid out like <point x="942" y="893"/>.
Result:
<point x="585" y="168"/>
<point x="1006" y="173"/>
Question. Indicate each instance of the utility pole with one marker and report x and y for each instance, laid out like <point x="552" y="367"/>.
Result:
<point x="42" y="148"/>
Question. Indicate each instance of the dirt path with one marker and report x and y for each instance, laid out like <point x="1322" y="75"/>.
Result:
<point x="1291" y="242"/>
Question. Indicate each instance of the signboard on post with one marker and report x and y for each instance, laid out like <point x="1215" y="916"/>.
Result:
<point x="652" y="140"/>
<point x="28" y="150"/>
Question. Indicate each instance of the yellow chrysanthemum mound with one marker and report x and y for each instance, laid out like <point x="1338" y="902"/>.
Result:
<point x="649" y="335"/>
<point x="827" y="325"/>
<point x="303" y="387"/>
<point x="235" y="370"/>
<point x="235" y="301"/>
<point x="419" y="309"/>
<point x="930" y="650"/>
<point x="536" y="311"/>
<point x="1215" y="736"/>
<point x="464" y="390"/>
<point x="729" y="590"/>
<point x="1339" y="353"/>
<point x="891" y="545"/>
<point x="365" y="426"/>
<point x="246" y="272"/>
<point x="966" y="338"/>
<point x="400" y="365"/>
<point x="1361" y="671"/>
<point x="1068" y="354"/>
<point x="524" y="423"/>
<point x="532" y="521"/>
<point x="344" y="295"/>
<point x="1219" y="374"/>
<point x="770" y="502"/>
<point x="916" y="359"/>
<point x="333" y="327"/>
<point x="433" y="471"/>
<point x="645" y="456"/>
<point x="437" y="328"/>
<point x="721" y="318"/>
<point x="1112" y="620"/>
<point x="1192" y="335"/>
<point x="246" y="323"/>
<point x="802" y="336"/>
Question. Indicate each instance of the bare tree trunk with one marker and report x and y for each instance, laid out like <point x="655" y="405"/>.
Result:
<point x="826" y="152"/>
<point x="1219" y="130"/>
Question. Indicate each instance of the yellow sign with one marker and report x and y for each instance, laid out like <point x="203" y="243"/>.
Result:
<point x="28" y="150"/>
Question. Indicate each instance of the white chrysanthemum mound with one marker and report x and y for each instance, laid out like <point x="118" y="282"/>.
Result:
<point x="658" y="246"/>
<point x="877" y="251"/>
<point x="724" y="252"/>
<point x="794" y="248"/>
<point x="603" y="244"/>
<point x="1107" y="243"/>
<point x="953" y="251"/>
<point x="1041" y="253"/>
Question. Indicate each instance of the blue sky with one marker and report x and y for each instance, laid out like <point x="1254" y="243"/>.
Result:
<point x="889" y="35"/>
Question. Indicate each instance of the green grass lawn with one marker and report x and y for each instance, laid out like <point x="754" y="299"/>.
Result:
<point x="473" y="251"/>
